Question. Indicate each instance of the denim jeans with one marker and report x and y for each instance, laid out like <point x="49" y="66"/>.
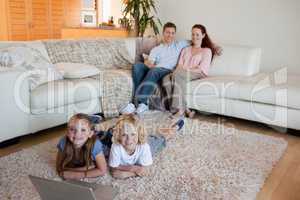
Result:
<point x="156" y="143"/>
<point x="145" y="81"/>
<point x="106" y="139"/>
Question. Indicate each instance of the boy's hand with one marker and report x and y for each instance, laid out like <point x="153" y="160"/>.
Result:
<point x="142" y="171"/>
<point x="135" y="168"/>
<point x="139" y="170"/>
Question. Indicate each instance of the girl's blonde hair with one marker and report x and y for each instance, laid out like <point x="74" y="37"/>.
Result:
<point x="130" y="119"/>
<point x="69" y="151"/>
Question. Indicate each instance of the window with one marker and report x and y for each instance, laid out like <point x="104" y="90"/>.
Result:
<point x="106" y="10"/>
<point x="88" y="5"/>
<point x="102" y="10"/>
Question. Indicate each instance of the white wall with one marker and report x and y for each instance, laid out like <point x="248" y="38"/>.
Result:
<point x="111" y="8"/>
<point x="117" y="8"/>
<point x="272" y="25"/>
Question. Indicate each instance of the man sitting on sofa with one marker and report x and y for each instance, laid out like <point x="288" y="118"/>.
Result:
<point x="161" y="61"/>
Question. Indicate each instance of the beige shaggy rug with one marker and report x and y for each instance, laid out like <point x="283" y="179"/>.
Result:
<point x="201" y="162"/>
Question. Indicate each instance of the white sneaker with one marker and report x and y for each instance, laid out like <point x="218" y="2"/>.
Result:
<point x="142" y="108"/>
<point x="128" y="109"/>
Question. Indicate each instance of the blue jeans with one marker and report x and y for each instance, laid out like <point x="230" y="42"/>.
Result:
<point x="145" y="80"/>
<point x="156" y="143"/>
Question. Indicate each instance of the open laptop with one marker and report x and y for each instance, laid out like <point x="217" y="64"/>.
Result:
<point x="75" y="190"/>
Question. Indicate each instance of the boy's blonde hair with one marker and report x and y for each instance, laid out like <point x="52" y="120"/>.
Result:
<point x="130" y="119"/>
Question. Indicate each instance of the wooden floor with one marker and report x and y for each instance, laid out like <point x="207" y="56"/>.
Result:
<point x="282" y="184"/>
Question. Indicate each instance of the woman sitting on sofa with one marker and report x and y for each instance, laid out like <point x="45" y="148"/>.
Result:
<point x="194" y="63"/>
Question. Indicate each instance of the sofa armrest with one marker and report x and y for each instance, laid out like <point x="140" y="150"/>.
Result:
<point x="14" y="103"/>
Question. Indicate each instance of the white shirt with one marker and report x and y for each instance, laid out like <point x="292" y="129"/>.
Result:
<point x="141" y="156"/>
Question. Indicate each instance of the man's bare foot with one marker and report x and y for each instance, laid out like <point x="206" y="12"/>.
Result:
<point x="179" y="113"/>
<point x="189" y="113"/>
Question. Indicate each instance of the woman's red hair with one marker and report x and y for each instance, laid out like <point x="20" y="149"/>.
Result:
<point x="207" y="43"/>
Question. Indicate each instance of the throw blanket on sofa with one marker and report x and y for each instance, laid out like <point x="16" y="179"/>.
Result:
<point x="117" y="91"/>
<point x="102" y="53"/>
<point x="110" y="56"/>
<point x="161" y="99"/>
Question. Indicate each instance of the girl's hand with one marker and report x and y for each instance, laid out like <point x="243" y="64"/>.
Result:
<point x="80" y="169"/>
<point x="71" y="175"/>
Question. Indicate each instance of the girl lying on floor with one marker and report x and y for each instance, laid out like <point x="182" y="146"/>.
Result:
<point x="81" y="153"/>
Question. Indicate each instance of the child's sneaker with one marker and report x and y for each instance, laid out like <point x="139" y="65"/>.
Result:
<point x="128" y="109"/>
<point x="142" y="108"/>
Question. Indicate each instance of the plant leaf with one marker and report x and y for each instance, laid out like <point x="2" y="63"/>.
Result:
<point x="140" y="11"/>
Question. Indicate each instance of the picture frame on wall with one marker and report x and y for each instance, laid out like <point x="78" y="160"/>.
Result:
<point x="88" y="18"/>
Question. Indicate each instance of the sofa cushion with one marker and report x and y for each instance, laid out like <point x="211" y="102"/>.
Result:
<point x="63" y="92"/>
<point x="76" y="70"/>
<point x="264" y="88"/>
<point x="272" y="89"/>
<point x="114" y="73"/>
<point x="216" y="86"/>
<point x="236" y="60"/>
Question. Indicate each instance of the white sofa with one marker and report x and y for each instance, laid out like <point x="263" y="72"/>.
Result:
<point x="50" y="104"/>
<point x="235" y="88"/>
<point x="247" y="94"/>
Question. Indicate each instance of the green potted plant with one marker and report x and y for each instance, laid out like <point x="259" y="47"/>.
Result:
<point x="141" y="12"/>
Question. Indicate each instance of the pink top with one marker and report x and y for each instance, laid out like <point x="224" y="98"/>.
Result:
<point x="198" y="62"/>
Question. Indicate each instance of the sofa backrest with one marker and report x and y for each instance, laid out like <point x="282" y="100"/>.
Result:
<point x="104" y="53"/>
<point x="131" y="47"/>
<point x="236" y="60"/>
<point x="144" y="46"/>
<point x="36" y="45"/>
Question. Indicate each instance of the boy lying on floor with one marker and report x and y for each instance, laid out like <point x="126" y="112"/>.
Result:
<point x="132" y="150"/>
